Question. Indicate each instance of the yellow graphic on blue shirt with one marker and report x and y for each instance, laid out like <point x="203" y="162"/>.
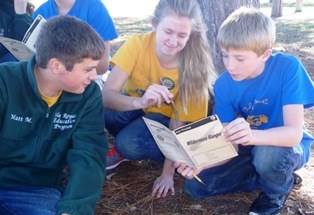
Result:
<point x="257" y="120"/>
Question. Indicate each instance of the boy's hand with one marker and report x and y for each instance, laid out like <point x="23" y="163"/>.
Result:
<point x="186" y="171"/>
<point x="238" y="131"/>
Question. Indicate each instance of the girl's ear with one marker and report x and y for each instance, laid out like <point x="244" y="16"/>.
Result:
<point x="154" y="25"/>
<point x="266" y="54"/>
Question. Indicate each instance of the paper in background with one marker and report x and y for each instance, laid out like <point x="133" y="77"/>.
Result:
<point x="23" y="50"/>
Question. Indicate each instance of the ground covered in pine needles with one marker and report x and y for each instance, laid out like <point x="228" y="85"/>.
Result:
<point x="127" y="188"/>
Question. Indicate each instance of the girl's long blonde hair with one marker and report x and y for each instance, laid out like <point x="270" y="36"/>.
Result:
<point x="197" y="75"/>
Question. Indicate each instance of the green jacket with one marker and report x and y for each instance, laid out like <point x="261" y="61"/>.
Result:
<point x="12" y="25"/>
<point x="37" y="142"/>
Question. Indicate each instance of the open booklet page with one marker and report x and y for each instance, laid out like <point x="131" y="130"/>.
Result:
<point x="24" y="49"/>
<point x="198" y="144"/>
<point x="17" y="48"/>
<point x="167" y="142"/>
<point x="30" y="36"/>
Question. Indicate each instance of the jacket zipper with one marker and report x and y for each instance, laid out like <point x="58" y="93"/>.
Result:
<point x="42" y="133"/>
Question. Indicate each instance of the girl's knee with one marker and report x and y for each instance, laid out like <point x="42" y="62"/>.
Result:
<point x="126" y="149"/>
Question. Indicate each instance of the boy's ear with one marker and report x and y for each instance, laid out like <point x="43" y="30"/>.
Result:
<point x="266" y="54"/>
<point x="55" y="66"/>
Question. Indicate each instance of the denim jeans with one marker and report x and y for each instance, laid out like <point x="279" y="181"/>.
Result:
<point x="266" y="168"/>
<point x="133" y="140"/>
<point x="28" y="201"/>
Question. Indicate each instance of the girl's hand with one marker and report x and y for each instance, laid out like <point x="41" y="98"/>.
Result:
<point x="162" y="186"/>
<point x="20" y="6"/>
<point x="155" y="95"/>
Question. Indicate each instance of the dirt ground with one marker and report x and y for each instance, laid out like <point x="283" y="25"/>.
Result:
<point x="128" y="187"/>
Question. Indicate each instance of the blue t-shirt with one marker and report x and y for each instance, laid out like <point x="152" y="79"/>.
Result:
<point x="260" y="100"/>
<point x="93" y="12"/>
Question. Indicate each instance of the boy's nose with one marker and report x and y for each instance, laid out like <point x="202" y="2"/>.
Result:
<point x="230" y="65"/>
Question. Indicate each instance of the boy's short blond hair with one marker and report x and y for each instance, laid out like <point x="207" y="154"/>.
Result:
<point x="247" y="29"/>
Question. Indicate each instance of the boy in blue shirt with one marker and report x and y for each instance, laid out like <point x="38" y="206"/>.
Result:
<point x="260" y="98"/>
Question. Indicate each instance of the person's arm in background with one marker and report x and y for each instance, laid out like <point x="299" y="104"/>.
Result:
<point x="104" y="61"/>
<point x="102" y="22"/>
<point x="22" y="19"/>
<point x="20" y="6"/>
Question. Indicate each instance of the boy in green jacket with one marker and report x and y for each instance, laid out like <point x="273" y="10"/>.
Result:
<point x="51" y="117"/>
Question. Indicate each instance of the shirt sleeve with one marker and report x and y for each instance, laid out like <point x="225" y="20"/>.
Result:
<point x="101" y="21"/>
<point x="128" y="54"/>
<point x="86" y="160"/>
<point x="21" y="23"/>
<point x="297" y="85"/>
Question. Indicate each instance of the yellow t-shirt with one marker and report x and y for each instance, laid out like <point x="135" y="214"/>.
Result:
<point x="50" y="100"/>
<point x="137" y="57"/>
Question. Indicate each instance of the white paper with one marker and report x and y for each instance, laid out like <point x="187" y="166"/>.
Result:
<point x="198" y="144"/>
<point x="23" y="50"/>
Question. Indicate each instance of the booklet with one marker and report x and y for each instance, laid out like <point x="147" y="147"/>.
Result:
<point x="24" y="49"/>
<point x="198" y="144"/>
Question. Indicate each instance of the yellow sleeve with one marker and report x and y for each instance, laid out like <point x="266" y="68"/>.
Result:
<point x="127" y="55"/>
